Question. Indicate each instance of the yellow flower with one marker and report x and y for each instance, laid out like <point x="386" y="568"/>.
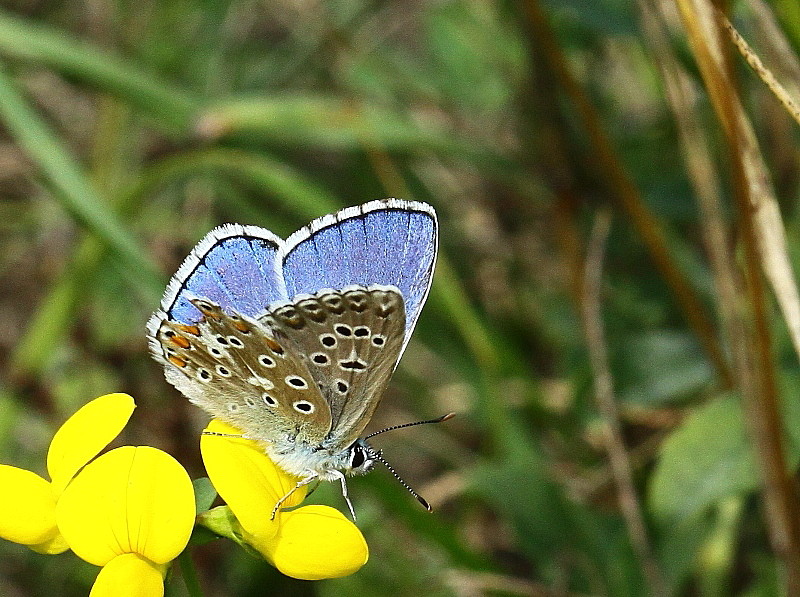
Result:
<point x="28" y="502"/>
<point x="309" y="543"/>
<point x="131" y="511"/>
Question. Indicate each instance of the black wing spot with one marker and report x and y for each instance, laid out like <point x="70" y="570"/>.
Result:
<point x="303" y="406"/>
<point x="297" y="382"/>
<point x="268" y="400"/>
<point x="250" y="402"/>
<point x="354" y="365"/>
<point x="333" y="302"/>
<point x="234" y="341"/>
<point x="320" y="358"/>
<point x="343" y="330"/>
<point x="361" y="331"/>
<point x="341" y="386"/>
<point x="378" y="340"/>
<point x="327" y="340"/>
<point x="222" y="340"/>
<point x="215" y="351"/>
<point x="266" y="360"/>
<point x="312" y="309"/>
<point x="223" y="371"/>
<point x="203" y="375"/>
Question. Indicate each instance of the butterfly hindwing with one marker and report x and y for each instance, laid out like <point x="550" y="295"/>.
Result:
<point x="351" y="340"/>
<point x="238" y="371"/>
<point x="388" y="242"/>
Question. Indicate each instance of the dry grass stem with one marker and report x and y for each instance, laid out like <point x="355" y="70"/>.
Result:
<point x="606" y="404"/>
<point x="681" y="94"/>
<point x="763" y="237"/>
<point x="762" y="71"/>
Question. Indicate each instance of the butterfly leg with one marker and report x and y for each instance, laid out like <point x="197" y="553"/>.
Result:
<point x="301" y="483"/>
<point x="341" y="477"/>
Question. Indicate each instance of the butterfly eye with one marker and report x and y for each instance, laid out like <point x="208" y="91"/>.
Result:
<point x="358" y="458"/>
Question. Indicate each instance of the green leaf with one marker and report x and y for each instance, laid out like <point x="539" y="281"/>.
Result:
<point x="328" y="122"/>
<point x="708" y="458"/>
<point x="660" y="367"/>
<point x="204" y="494"/>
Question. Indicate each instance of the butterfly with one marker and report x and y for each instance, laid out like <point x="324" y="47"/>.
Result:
<point x="294" y="341"/>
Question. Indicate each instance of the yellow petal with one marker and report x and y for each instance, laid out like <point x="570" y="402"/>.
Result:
<point x="129" y="500"/>
<point x="316" y="542"/>
<point x="249" y="482"/>
<point x="28" y="510"/>
<point x="129" y="575"/>
<point x="84" y="434"/>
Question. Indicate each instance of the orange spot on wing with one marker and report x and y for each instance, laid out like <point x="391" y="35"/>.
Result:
<point x="273" y="346"/>
<point x="180" y="341"/>
<point x="189" y="329"/>
<point x="177" y="361"/>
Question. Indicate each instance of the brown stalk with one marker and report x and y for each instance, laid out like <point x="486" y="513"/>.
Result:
<point x="757" y="216"/>
<point x="695" y="146"/>
<point x="625" y="193"/>
<point x="606" y="404"/>
<point x="762" y="71"/>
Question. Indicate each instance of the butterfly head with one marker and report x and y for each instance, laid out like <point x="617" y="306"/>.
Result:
<point x="361" y="458"/>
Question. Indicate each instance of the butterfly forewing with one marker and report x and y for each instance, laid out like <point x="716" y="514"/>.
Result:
<point x="351" y="340"/>
<point x="240" y="372"/>
<point x="233" y="266"/>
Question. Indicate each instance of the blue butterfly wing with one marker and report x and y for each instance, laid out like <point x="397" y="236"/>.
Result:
<point x="233" y="266"/>
<point x="390" y="242"/>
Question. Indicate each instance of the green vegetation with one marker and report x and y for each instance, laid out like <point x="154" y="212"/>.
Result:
<point x="614" y="316"/>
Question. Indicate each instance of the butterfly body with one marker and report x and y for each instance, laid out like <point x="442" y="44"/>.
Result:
<point x="294" y="342"/>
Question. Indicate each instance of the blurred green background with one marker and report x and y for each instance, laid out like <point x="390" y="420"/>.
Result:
<point x="129" y="129"/>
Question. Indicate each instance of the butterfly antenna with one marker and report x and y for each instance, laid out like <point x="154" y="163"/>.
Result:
<point x="441" y="419"/>
<point x="376" y="456"/>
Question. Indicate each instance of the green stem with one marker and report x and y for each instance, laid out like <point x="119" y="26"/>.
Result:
<point x="189" y="573"/>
